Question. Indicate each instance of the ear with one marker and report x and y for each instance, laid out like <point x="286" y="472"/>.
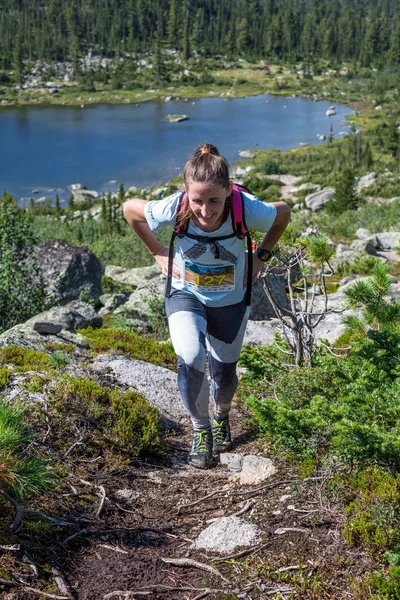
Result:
<point x="229" y="191"/>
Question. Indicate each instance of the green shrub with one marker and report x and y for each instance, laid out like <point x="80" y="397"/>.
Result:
<point x="20" y="474"/>
<point x="24" y="358"/>
<point x="132" y="344"/>
<point x="135" y="424"/>
<point x="5" y="376"/>
<point x="22" y="292"/>
<point x="124" y="418"/>
<point x="373" y="516"/>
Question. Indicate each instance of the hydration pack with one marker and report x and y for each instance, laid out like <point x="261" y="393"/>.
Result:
<point x="239" y="230"/>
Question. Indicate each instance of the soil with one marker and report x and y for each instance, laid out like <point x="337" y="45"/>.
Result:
<point x="149" y="515"/>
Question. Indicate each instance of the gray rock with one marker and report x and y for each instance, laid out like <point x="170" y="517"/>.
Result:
<point x="69" y="273"/>
<point x="261" y="308"/>
<point x="260" y="333"/>
<point x="249" y="469"/>
<point x="226" y="534"/>
<point x="71" y="316"/>
<point x="157" y="384"/>
<point x="111" y="301"/>
<point x="363" y="233"/>
<point x="368" y="245"/>
<point x="318" y="200"/>
<point x="247" y="154"/>
<point x="138" y="277"/>
<point x="304" y="187"/>
<point x="47" y="327"/>
<point x="24" y="335"/>
<point x="388" y="240"/>
<point x="138" y="304"/>
<point x="366" y="181"/>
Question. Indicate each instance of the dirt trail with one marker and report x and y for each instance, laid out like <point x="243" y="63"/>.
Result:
<point x="301" y="555"/>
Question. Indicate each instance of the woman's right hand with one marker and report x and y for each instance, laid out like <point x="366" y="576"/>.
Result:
<point x="161" y="257"/>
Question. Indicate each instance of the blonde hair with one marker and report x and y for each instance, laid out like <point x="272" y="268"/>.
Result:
<point x="205" y="166"/>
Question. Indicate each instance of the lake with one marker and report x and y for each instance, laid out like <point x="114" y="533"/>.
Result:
<point x="44" y="149"/>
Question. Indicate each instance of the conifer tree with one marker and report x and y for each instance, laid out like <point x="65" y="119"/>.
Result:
<point x="344" y="197"/>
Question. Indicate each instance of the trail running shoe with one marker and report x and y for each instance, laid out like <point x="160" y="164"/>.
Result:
<point x="221" y="435"/>
<point x="201" y="455"/>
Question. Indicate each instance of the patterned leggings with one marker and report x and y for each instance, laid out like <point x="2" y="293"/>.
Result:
<point x="197" y="330"/>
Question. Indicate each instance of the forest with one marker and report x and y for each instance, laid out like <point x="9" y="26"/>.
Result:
<point x="364" y="31"/>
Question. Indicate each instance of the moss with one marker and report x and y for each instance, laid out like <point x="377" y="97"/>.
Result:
<point x="132" y="344"/>
<point x="35" y="383"/>
<point x="124" y="418"/>
<point x="5" y="376"/>
<point x="136" y="425"/>
<point x="60" y="347"/>
<point x="24" y="358"/>
<point x="373" y="514"/>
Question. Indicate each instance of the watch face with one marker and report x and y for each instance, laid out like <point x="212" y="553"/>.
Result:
<point x="264" y="255"/>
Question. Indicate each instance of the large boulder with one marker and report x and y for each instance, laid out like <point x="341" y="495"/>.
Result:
<point x="25" y="335"/>
<point x="69" y="273"/>
<point x="318" y="200"/>
<point x="137" y="277"/>
<point x="71" y="316"/>
<point x="261" y="308"/>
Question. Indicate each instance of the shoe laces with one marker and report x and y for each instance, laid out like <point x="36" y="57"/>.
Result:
<point x="202" y="442"/>
<point x="220" y="429"/>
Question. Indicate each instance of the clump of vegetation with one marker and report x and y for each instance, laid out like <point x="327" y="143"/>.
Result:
<point x="373" y="514"/>
<point x="20" y="475"/>
<point x="135" y="424"/>
<point x="347" y="407"/>
<point x="22" y="292"/>
<point x="24" y="358"/>
<point x="124" y="419"/>
<point x="132" y="344"/>
<point x="5" y="376"/>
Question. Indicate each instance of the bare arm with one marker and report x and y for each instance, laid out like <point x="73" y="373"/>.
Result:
<point x="272" y="237"/>
<point x="134" y="214"/>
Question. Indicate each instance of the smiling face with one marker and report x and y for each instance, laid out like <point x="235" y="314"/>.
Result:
<point x="207" y="203"/>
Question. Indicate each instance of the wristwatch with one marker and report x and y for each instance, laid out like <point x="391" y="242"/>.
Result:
<point x="264" y="255"/>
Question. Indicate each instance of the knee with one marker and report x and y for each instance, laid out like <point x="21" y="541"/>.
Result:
<point x="223" y="373"/>
<point x="193" y="360"/>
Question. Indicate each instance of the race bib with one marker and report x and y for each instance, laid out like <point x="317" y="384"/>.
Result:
<point x="209" y="278"/>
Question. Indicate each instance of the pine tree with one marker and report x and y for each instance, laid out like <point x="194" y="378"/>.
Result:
<point x="22" y="292"/>
<point x="344" y="197"/>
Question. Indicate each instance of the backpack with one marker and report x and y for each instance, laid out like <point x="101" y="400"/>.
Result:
<point x="239" y="230"/>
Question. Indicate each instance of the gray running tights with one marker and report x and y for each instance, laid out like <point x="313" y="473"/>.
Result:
<point x="197" y="331"/>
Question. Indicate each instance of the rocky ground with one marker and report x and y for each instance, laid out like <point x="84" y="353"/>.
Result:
<point x="156" y="527"/>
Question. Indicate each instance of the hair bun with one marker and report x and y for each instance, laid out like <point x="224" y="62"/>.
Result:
<point x="206" y="148"/>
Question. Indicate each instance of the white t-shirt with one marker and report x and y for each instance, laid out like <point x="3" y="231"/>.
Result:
<point x="212" y="271"/>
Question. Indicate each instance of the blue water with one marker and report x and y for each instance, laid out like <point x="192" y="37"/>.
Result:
<point x="50" y="148"/>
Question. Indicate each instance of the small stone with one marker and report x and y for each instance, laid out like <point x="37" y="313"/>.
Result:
<point x="284" y="498"/>
<point x="47" y="327"/>
<point x="226" y="534"/>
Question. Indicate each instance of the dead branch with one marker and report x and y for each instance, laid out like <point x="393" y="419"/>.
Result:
<point x="151" y="589"/>
<point x="113" y="548"/>
<point x="18" y="521"/>
<point x="188" y="562"/>
<point x="31" y="590"/>
<point x="50" y="519"/>
<point x="212" y="495"/>
<point x="126" y="595"/>
<point x="60" y="582"/>
<point x="13" y="548"/>
<point x="251" y="550"/>
<point x="78" y="442"/>
<point x="283" y="530"/>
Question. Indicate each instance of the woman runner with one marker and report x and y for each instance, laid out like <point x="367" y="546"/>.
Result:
<point x="206" y="309"/>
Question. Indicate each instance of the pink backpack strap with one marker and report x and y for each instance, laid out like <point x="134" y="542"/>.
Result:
<point x="237" y="212"/>
<point x="179" y="230"/>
